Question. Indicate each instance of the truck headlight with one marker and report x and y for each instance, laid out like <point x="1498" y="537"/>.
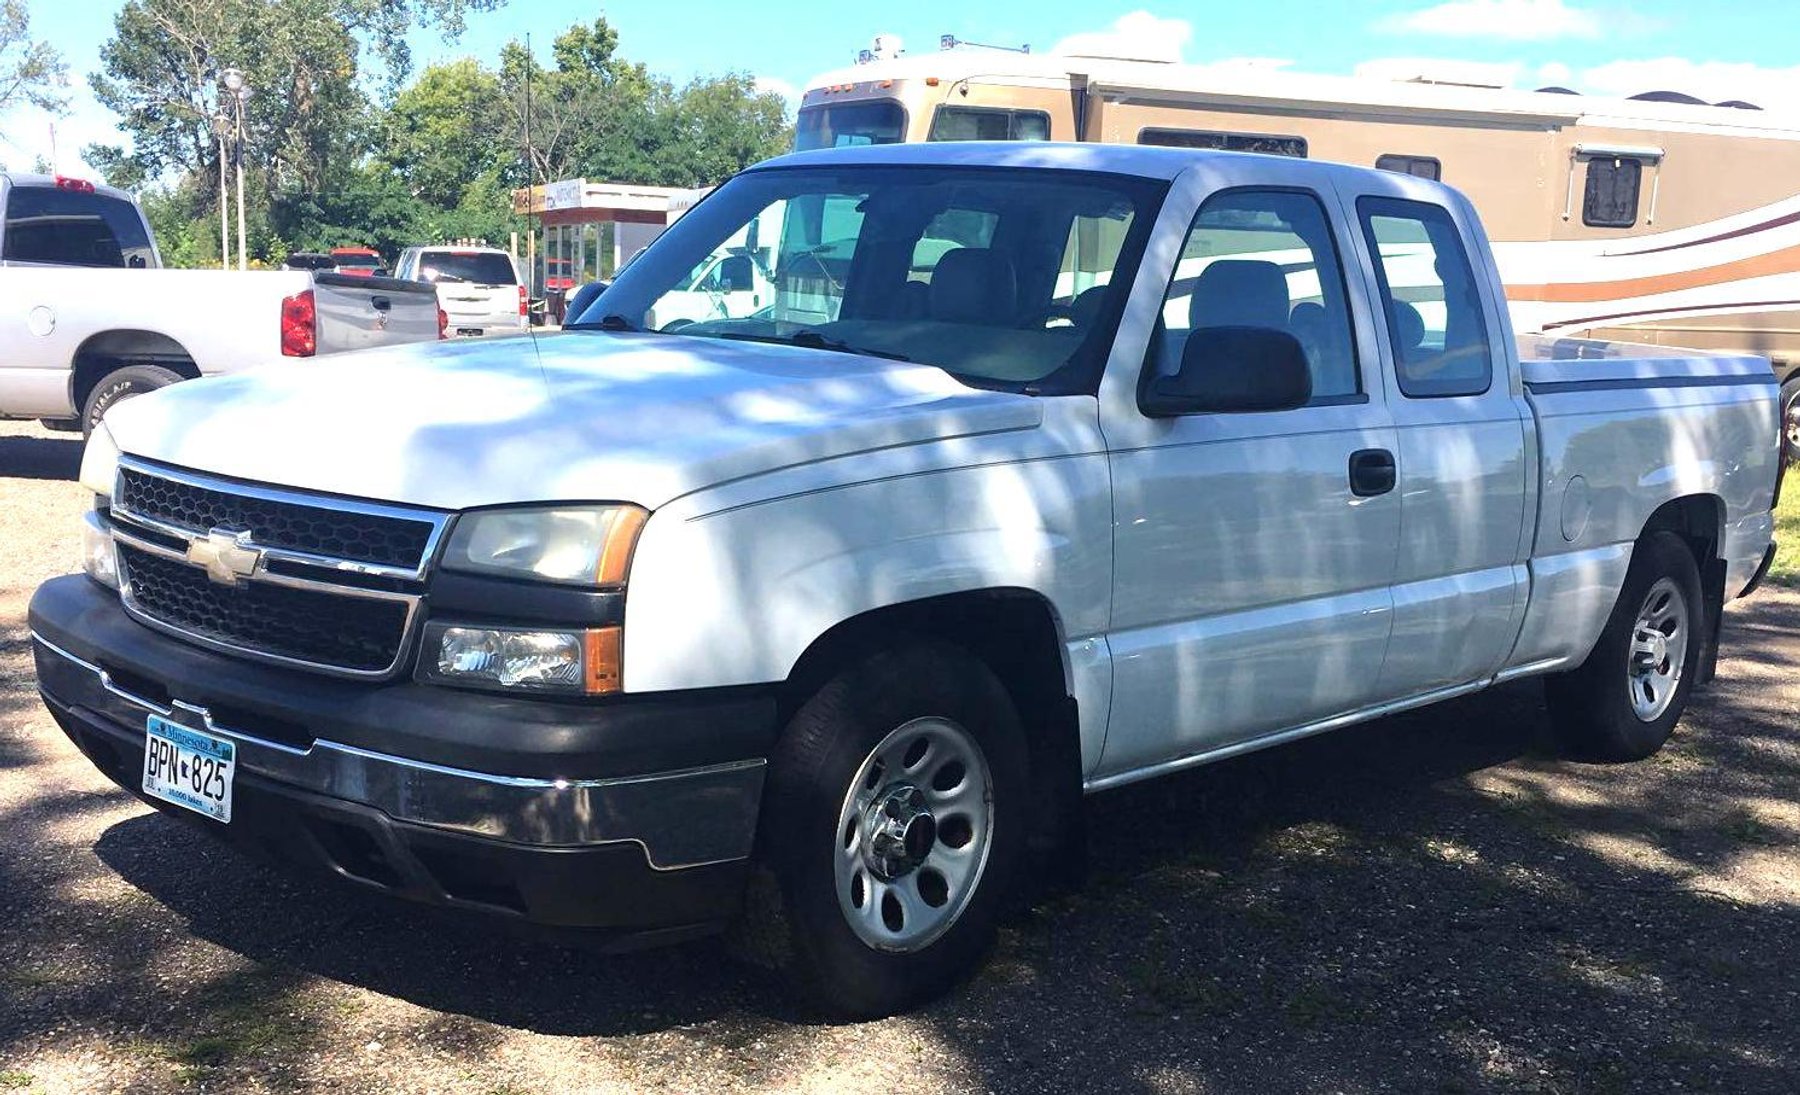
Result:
<point x="575" y="545"/>
<point x="99" y="559"/>
<point x="100" y="462"/>
<point x="549" y="660"/>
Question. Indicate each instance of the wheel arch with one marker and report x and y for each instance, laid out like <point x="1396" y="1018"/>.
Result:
<point x="102" y="353"/>
<point x="1699" y="521"/>
<point x="1018" y="634"/>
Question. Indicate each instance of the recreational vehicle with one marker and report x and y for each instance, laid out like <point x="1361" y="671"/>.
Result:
<point x="1656" y="219"/>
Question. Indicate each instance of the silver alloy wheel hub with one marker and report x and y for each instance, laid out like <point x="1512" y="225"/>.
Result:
<point x="1658" y="656"/>
<point x="1793" y="427"/>
<point x="898" y="832"/>
<point x="913" y="835"/>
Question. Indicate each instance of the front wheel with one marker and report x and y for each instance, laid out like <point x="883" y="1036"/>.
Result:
<point x="1622" y="703"/>
<point x="892" y="830"/>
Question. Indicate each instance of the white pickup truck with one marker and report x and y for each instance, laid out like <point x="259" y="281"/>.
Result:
<point x="614" y="629"/>
<point x="87" y="319"/>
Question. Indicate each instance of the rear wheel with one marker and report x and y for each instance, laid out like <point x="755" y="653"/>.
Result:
<point x="892" y="831"/>
<point x="1623" y="702"/>
<point x="122" y="384"/>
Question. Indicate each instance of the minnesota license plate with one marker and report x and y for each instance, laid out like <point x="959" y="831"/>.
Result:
<point x="188" y="768"/>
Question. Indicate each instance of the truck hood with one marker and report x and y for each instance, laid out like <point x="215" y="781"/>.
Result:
<point x="641" y="418"/>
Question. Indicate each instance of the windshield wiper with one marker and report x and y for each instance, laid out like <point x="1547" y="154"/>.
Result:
<point x="814" y="340"/>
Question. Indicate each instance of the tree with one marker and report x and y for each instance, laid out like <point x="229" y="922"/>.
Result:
<point x="451" y="126"/>
<point x="31" y="72"/>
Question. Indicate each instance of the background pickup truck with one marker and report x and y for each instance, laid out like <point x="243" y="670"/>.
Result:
<point x="87" y="319"/>
<point x="842" y="605"/>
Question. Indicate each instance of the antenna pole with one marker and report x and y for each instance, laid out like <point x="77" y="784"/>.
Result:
<point x="531" y="232"/>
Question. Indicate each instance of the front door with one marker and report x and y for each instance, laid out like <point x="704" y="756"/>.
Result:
<point x="1254" y="551"/>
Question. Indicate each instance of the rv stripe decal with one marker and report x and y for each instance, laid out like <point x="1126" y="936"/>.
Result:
<point x="1726" y="308"/>
<point x="1778" y="222"/>
<point x="1784" y="261"/>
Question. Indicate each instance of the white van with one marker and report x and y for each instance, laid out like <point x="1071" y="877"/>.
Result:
<point x="479" y="288"/>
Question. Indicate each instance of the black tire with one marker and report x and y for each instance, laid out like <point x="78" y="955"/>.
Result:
<point x="1790" y="419"/>
<point x="797" y="922"/>
<point x="118" y="386"/>
<point x="1591" y="707"/>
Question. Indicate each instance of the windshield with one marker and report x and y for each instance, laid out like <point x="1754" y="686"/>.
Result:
<point x="1002" y="276"/>
<point x="360" y="261"/>
<point x="475" y="267"/>
<point x="880" y="121"/>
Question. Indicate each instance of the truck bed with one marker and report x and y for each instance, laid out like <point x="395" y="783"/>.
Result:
<point x="1623" y="430"/>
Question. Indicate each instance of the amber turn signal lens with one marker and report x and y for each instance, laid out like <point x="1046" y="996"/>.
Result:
<point x="602" y="650"/>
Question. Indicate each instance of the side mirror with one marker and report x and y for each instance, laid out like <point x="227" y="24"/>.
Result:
<point x="737" y="275"/>
<point x="1233" y="370"/>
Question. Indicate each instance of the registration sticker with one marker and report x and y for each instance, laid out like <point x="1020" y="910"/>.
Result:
<point x="188" y="768"/>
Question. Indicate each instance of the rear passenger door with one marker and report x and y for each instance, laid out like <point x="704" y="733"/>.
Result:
<point x="1251" y="579"/>
<point x="1460" y="584"/>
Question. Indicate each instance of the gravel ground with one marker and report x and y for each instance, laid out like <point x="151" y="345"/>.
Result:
<point x="1428" y="903"/>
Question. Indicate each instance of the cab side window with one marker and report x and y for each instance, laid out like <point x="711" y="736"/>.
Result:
<point x="1431" y="298"/>
<point x="1265" y="258"/>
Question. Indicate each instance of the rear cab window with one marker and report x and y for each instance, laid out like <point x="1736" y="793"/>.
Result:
<point x="47" y="224"/>
<point x="1430" y="297"/>
<point x="473" y="267"/>
<point x="1265" y="258"/>
<point x="1265" y="143"/>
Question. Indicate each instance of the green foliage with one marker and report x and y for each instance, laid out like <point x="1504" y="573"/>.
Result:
<point x="30" y="71"/>
<point x="328" y="165"/>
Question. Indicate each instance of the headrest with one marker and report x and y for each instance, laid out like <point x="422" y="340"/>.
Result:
<point x="974" y="285"/>
<point x="1409" y="325"/>
<point x="1240" y="293"/>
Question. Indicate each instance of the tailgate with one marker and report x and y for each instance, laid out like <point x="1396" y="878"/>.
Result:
<point x="479" y="305"/>
<point x="358" y="312"/>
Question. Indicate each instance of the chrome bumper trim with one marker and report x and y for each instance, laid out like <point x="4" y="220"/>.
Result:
<point x="685" y="818"/>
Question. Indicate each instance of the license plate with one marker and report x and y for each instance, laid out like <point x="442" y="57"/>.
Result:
<point x="472" y="331"/>
<point x="188" y="768"/>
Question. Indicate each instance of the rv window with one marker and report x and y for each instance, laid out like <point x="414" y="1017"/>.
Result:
<point x="967" y="123"/>
<point x="874" y="121"/>
<point x="1422" y="167"/>
<point x="1264" y="259"/>
<point x="1611" y="198"/>
<point x="1225" y="142"/>
<point x="1432" y="303"/>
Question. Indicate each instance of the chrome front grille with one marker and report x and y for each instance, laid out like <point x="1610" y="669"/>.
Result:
<point x="304" y="580"/>
<point x="384" y="536"/>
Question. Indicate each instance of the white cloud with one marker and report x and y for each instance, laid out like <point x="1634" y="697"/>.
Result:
<point x="1714" y="81"/>
<point x="788" y="92"/>
<point x="1554" y="72"/>
<point x="1512" y="20"/>
<point x="1138" y="35"/>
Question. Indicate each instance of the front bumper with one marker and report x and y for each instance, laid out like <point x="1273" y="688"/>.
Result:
<point x="616" y="838"/>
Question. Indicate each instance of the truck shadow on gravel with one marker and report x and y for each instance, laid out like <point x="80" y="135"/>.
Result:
<point x="1430" y="902"/>
<point x="40" y="457"/>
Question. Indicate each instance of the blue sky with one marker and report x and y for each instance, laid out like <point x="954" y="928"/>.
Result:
<point x="1740" y="49"/>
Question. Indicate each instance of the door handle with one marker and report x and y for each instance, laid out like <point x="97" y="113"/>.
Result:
<point x="1372" y="472"/>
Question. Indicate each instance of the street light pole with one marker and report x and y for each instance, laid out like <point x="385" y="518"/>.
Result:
<point x="239" y="88"/>
<point x="220" y="125"/>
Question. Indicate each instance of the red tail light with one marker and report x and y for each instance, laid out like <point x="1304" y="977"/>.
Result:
<point x="523" y="305"/>
<point x="80" y="186"/>
<point x="443" y="325"/>
<point x="299" y="331"/>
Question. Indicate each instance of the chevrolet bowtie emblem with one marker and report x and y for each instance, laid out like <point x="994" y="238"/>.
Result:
<point x="227" y="556"/>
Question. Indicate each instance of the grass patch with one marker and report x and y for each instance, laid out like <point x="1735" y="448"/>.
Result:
<point x="1786" y="569"/>
<point x="14" y="1079"/>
